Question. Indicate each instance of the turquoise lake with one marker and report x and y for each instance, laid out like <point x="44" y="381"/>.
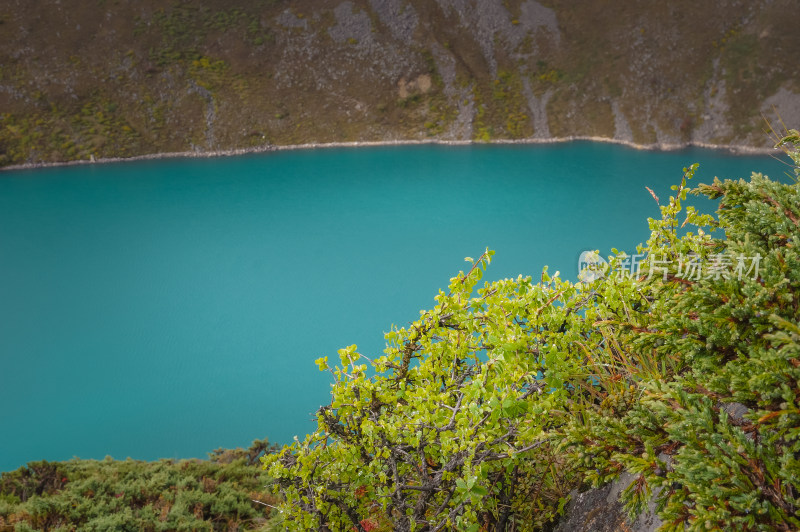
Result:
<point x="162" y="309"/>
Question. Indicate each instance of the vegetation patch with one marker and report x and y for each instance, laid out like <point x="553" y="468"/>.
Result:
<point x="486" y="412"/>
<point x="225" y="492"/>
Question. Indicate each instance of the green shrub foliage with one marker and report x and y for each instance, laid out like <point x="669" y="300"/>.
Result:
<point x="718" y="439"/>
<point x="92" y="495"/>
<point x="490" y="408"/>
<point x="443" y="434"/>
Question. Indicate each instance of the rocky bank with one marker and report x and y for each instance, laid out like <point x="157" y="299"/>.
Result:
<point x="109" y="78"/>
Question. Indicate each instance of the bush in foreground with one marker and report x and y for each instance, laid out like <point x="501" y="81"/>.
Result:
<point x="486" y="412"/>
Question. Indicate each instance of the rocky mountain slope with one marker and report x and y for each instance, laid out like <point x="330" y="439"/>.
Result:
<point x="110" y="78"/>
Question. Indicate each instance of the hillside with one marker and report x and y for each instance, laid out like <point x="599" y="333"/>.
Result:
<point x="109" y="78"/>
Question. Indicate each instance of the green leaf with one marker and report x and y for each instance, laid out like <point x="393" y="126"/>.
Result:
<point x="479" y="490"/>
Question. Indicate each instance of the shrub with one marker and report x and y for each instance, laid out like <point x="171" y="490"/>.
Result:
<point x="486" y="411"/>
<point x="217" y="494"/>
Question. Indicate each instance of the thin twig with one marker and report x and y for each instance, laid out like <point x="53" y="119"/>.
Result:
<point x="265" y="504"/>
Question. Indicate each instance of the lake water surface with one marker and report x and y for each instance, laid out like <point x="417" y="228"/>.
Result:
<point x="166" y="308"/>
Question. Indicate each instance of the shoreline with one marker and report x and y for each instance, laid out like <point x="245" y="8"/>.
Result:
<point x="733" y="149"/>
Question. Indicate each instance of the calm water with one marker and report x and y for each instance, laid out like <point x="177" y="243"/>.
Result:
<point x="166" y="308"/>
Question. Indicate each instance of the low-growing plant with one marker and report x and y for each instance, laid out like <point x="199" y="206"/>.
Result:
<point x="718" y="439"/>
<point x="225" y="492"/>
